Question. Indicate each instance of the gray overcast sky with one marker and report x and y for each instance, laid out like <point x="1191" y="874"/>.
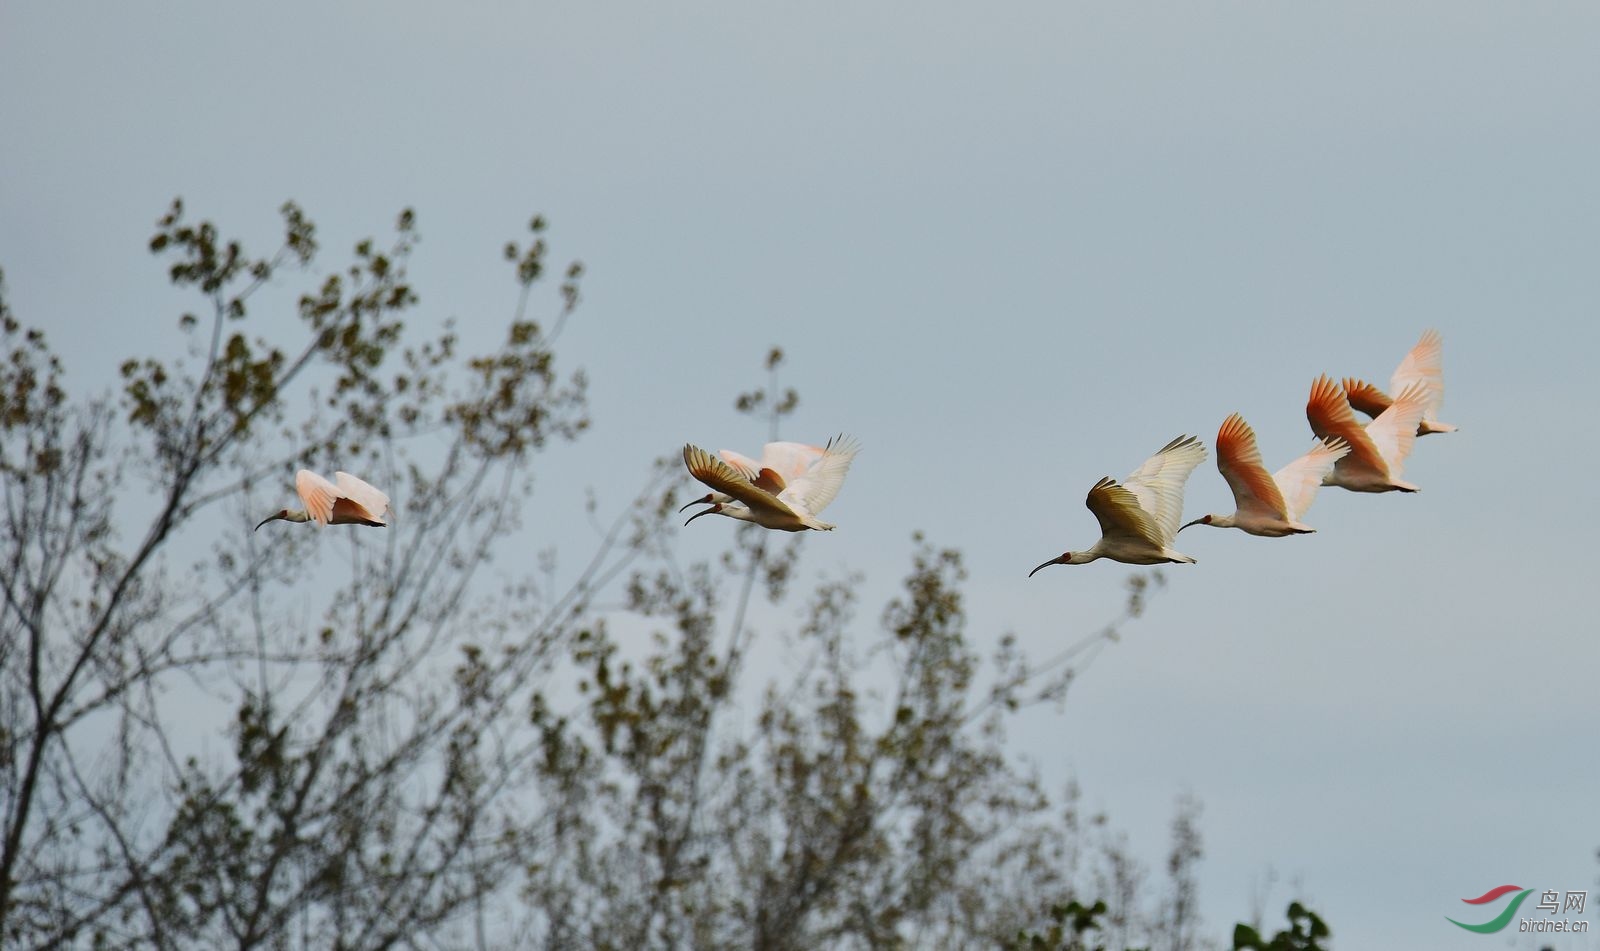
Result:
<point x="1013" y="248"/>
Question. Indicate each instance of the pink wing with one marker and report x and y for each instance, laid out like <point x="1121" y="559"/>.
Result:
<point x="317" y="494"/>
<point x="1365" y="397"/>
<point x="745" y="465"/>
<point x="1329" y="413"/>
<point x="789" y="459"/>
<point x="1394" y="432"/>
<point x="1424" y="364"/>
<point x="374" y="502"/>
<point x="1239" y="461"/>
<point x="1300" y="479"/>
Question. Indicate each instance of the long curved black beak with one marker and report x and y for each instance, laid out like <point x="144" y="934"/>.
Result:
<point x="264" y="521"/>
<point x="1053" y="561"/>
<point x="704" y="498"/>
<point x="1187" y="524"/>
<point x="696" y="515"/>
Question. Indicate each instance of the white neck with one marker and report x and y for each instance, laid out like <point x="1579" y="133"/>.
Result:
<point x="736" y="510"/>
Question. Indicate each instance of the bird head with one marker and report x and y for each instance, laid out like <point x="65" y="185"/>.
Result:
<point x="288" y="515"/>
<point x="706" y="499"/>
<point x="1065" y="559"/>
<point x="1069" y="558"/>
<point x="715" y="508"/>
<point x="281" y="513"/>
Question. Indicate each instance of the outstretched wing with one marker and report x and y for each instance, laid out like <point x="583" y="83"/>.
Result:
<point x="745" y="465"/>
<point x="1239" y="461"/>
<point x="1329" y="414"/>
<point x="1394" y="432"/>
<point x="815" y="488"/>
<point x="727" y="480"/>
<point x="317" y="494"/>
<point x="1424" y="364"/>
<point x="1158" y="484"/>
<point x="1364" y="397"/>
<point x="790" y="459"/>
<point x="781" y="462"/>
<point x="1300" y="479"/>
<point x="1120" y="513"/>
<point x="358" y="491"/>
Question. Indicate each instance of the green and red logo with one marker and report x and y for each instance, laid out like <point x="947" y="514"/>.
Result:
<point x="1498" y="921"/>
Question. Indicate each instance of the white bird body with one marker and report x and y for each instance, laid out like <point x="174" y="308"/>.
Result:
<point x="345" y="501"/>
<point x="1379" y="449"/>
<point x="766" y="497"/>
<point x="1269" y="505"/>
<point x="789" y="460"/>
<point x="1424" y="363"/>
<point x="1139" y="517"/>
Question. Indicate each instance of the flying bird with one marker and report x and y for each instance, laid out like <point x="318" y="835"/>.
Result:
<point x="766" y="497"/>
<point x="1268" y="505"/>
<point x="789" y="460"/>
<point x="1378" y="450"/>
<point x="1139" y="517"/>
<point x="344" y="501"/>
<point x="1424" y="363"/>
